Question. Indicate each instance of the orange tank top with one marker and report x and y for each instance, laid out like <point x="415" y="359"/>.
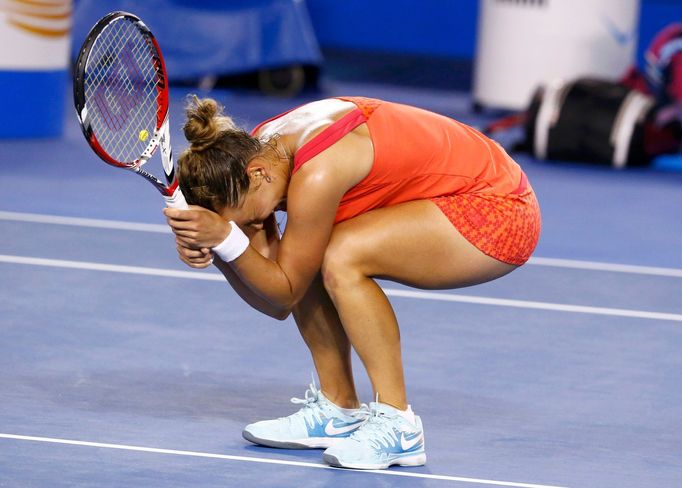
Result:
<point x="417" y="155"/>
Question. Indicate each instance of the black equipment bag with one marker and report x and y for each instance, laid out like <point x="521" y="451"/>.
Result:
<point x="596" y="121"/>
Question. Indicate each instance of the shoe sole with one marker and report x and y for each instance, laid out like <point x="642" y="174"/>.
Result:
<point x="310" y="443"/>
<point x="413" y="460"/>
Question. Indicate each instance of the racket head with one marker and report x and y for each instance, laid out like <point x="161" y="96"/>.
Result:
<point x="121" y="90"/>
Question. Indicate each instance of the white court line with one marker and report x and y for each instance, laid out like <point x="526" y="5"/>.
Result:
<point x="268" y="461"/>
<point x="424" y="295"/>
<point x="114" y="268"/>
<point x="598" y="266"/>
<point x="164" y="229"/>
<point x="81" y="222"/>
<point x="557" y="307"/>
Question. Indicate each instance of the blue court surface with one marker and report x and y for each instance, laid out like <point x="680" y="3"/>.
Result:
<point x="121" y="367"/>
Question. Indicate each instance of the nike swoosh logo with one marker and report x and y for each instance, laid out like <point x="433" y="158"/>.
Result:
<point x="408" y="444"/>
<point x="331" y="429"/>
<point x="621" y="36"/>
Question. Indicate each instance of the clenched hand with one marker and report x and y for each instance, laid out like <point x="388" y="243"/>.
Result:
<point x="196" y="231"/>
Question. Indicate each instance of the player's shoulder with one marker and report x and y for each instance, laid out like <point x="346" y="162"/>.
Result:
<point x="340" y="166"/>
<point x="305" y="122"/>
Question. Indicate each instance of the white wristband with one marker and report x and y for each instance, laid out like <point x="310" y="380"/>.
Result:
<point x="233" y="246"/>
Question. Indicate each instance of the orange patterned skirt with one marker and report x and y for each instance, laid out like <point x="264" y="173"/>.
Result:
<point x="505" y="227"/>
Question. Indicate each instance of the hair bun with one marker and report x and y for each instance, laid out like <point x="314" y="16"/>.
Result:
<point x="205" y="122"/>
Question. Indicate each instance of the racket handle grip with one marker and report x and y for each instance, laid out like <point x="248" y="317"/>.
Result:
<point x="177" y="200"/>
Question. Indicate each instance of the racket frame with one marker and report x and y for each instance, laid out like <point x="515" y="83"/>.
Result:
<point x="161" y="134"/>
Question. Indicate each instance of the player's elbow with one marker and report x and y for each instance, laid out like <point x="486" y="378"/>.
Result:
<point x="286" y="307"/>
<point x="276" y="312"/>
<point x="282" y="315"/>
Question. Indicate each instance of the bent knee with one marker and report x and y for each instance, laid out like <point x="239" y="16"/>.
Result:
<point x="342" y="264"/>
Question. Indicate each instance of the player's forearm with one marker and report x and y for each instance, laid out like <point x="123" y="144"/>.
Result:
<point x="266" y="278"/>
<point x="249" y="296"/>
<point x="265" y="242"/>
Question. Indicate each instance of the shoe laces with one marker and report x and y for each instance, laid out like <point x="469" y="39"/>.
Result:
<point x="311" y="411"/>
<point x="377" y="430"/>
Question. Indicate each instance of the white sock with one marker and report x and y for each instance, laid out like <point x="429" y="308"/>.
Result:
<point x="346" y="411"/>
<point x="407" y="414"/>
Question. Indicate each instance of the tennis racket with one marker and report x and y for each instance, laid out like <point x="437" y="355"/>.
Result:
<point x="121" y="95"/>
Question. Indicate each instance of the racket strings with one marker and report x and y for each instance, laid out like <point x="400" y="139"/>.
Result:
<point x="121" y="90"/>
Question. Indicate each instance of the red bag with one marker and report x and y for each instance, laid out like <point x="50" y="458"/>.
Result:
<point x="662" y="77"/>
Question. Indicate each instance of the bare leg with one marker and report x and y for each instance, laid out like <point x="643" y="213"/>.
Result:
<point x="317" y="321"/>
<point x="413" y="243"/>
<point x="373" y="330"/>
<point x="319" y="325"/>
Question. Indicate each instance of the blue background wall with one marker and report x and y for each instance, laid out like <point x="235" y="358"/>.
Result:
<point x="434" y="27"/>
<point x="654" y="15"/>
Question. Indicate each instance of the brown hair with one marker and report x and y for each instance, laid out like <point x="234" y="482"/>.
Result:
<point x="212" y="171"/>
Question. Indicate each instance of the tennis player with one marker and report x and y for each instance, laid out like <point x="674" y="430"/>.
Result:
<point x="372" y="189"/>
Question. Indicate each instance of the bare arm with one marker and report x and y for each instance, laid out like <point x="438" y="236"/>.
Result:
<point x="265" y="242"/>
<point x="283" y="281"/>
<point x="313" y="198"/>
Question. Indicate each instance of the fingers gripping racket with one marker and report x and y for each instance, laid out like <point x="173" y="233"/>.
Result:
<point x="121" y="95"/>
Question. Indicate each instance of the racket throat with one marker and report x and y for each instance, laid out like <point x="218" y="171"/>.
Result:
<point x="167" y="153"/>
<point x="158" y="184"/>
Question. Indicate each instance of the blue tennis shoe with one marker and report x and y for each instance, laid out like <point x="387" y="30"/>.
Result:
<point x="318" y="424"/>
<point x="386" y="438"/>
